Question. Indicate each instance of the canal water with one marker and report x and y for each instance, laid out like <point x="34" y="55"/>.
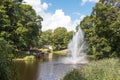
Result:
<point x="43" y="70"/>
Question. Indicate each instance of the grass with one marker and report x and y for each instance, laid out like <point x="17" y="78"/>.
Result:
<point x="44" y="50"/>
<point x="30" y="57"/>
<point x="61" y="52"/>
<point x="106" y="69"/>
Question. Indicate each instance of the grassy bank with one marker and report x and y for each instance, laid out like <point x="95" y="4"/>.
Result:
<point x="30" y="57"/>
<point x="61" y="52"/>
<point x="107" y="69"/>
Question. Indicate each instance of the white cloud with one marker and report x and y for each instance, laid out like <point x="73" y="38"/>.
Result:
<point x="52" y="21"/>
<point x="45" y="6"/>
<point x="37" y="5"/>
<point x="58" y="19"/>
<point x="85" y="1"/>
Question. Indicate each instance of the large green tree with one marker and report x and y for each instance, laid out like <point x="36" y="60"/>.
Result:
<point x="19" y="24"/>
<point x="29" y="28"/>
<point x="58" y="38"/>
<point x="102" y="29"/>
<point x="61" y="38"/>
<point x="20" y="28"/>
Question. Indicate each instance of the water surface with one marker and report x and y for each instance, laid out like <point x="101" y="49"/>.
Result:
<point x="37" y="70"/>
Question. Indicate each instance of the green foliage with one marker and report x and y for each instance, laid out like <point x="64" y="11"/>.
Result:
<point x="61" y="38"/>
<point x="102" y="29"/>
<point x="19" y="24"/>
<point x="68" y="37"/>
<point x="74" y="75"/>
<point x="106" y="69"/>
<point x="58" y="38"/>
<point x="20" y="28"/>
<point x="60" y="53"/>
<point x="46" y="38"/>
<point x="7" y="68"/>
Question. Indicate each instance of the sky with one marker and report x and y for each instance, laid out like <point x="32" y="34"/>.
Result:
<point x="61" y="13"/>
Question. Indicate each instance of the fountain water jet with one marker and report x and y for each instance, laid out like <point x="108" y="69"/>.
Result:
<point x="76" y="49"/>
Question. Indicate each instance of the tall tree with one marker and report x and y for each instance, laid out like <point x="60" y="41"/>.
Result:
<point x="102" y="29"/>
<point x="58" y="38"/>
<point x="19" y="24"/>
<point x="20" y="28"/>
<point x="29" y="27"/>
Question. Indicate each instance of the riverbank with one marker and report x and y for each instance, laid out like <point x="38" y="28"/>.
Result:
<point x="106" y="69"/>
<point x="60" y="53"/>
<point x="30" y="57"/>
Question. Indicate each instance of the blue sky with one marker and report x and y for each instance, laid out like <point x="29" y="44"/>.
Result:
<point x="73" y="8"/>
<point x="62" y="13"/>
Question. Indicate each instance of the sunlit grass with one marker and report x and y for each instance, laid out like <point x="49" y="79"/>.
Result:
<point x="61" y="52"/>
<point x="30" y="57"/>
<point x="107" y="69"/>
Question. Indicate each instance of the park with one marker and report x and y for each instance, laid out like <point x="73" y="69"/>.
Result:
<point x="90" y="51"/>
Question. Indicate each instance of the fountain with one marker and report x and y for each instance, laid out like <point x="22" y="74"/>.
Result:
<point x="76" y="49"/>
<point x="56" y="69"/>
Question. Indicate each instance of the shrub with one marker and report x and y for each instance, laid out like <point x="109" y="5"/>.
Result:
<point x="7" y="68"/>
<point x="107" y="69"/>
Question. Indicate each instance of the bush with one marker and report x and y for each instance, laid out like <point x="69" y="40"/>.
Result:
<point x="7" y="68"/>
<point x="107" y="69"/>
<point x="74" y="75"/>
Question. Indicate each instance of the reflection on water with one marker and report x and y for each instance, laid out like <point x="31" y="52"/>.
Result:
<point x="53" y="71"/>
<point x="36" y="70"/>
<point x="28" y="70"/>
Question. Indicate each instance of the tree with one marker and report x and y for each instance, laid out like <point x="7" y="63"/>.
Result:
<point x="29" y="28"/>
<point x="46" y="38"/>
<point x="20" y="28"/>
<point x="7" y="68"/>
<point x="68" y="37"/>
<point x="19" y="24"/>
<point x="102" y="29"/>
<point x="58" y="38"/>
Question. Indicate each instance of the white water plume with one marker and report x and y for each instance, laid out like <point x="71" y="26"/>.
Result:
<point x="76" y="49"/>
